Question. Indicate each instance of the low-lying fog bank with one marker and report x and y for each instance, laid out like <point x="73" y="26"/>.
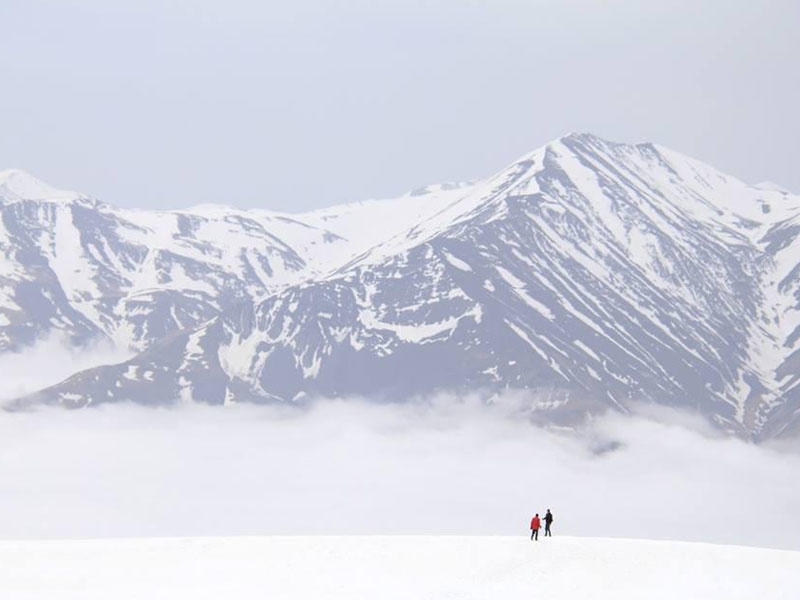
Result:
<point x="447" y="466"/>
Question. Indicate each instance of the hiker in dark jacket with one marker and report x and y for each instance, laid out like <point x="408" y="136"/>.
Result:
<point x="548" y="520"/>
<point x="536" y="523"/>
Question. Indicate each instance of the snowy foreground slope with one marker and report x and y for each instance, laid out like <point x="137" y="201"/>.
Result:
<point x="399" y="567"/>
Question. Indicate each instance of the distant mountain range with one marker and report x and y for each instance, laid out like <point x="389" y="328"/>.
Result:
<point x="587" y="275"/>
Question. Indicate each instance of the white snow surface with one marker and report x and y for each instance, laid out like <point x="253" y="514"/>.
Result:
<point x="389" y="567"/>
<point x="375" y="229"/>
<point x="19" y="185"/>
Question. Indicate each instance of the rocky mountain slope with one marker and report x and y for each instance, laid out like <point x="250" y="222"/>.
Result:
<point x="588" y="273"/>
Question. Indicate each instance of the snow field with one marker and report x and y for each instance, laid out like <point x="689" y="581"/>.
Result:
<point x="389" y="567"/>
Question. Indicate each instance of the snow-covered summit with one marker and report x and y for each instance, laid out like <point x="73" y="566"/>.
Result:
<point x="440" y="187"/>
<point x="16" y="184"/>
<point x="771" y="186"/>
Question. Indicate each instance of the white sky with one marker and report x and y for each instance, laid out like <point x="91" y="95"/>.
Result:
<point x="301" y="104"/>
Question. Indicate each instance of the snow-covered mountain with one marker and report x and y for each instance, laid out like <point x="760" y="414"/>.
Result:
<point x="88" y="269"/>
<point x="589" y="273"/>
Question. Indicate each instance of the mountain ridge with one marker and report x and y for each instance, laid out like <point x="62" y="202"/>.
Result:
<point x="597" y="271"/>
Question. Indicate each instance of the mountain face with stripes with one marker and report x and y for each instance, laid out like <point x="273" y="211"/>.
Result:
<point x="586" y="276"/>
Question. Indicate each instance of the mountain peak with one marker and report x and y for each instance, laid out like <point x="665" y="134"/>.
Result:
<point x="771" y="186"/>
<point x="586" y="137"/>
<point x="440" y="187"/>
<point x="16" y="184"/>
<point x="582" y="136"/>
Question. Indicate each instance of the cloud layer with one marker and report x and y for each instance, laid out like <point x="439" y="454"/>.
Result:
<point x="48" y="362"/>
<point x="447" y="466"/>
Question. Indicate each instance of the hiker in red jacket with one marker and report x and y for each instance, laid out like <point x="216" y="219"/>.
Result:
<point x="536" y="523"/>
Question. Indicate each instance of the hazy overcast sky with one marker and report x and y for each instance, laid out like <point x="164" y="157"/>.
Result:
<point x="300" y="104"/>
